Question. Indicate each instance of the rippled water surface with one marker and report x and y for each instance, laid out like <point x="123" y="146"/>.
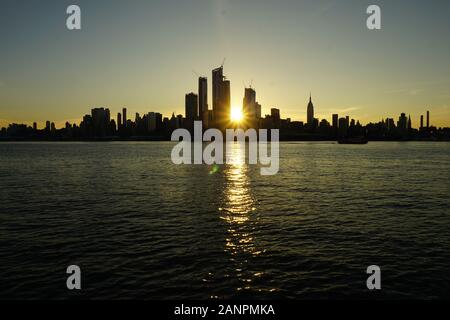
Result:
<point x="142" y="227"/>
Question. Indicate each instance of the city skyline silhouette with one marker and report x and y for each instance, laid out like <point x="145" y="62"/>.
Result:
<point x="155" y="126"/>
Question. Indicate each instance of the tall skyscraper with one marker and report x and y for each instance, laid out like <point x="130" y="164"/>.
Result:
<point x="335" y="121"/>
<point x="249" y="104"/>
<point x="191" y="107"/>
<point x="275" y="114"/>
<point x="402" y="123"/>
<point x="124" y="117"/>
<point x="119" y="120"/>
<point x="428" y="119"/>
<point x="310" y="112"/>
<point x="226" y="100"/>
<point x="217" y="79"/>
<point x="258" y="111"/>
<point x="276" y="118"/>
<point x="101" y="120"/>
<point x="202" y="97"/>
<point x="221" y="98"/>
<point x="421" y="122"/>
<point x="390" y="124"/>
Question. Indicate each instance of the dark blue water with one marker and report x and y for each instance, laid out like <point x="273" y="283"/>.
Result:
<point x="142" y="227"/>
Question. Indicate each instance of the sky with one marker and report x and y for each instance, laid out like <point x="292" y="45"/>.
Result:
<point x="145" y="55"/>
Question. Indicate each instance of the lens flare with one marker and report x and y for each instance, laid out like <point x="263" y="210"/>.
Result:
<point x="236" y="114"/>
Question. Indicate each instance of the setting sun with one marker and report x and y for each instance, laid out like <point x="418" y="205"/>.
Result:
<point x="236" y="114"/>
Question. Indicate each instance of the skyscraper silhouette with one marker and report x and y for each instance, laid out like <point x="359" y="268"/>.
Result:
<point x="221" y="98"/>
<point x="310" y="112"/>
<point x="101" y="120"/>
<point x="202" y="98"/>
<point x="335" y="124"/>
<point x="249" y="107"/>
<point x="217" y="79"/>
<point x="402" y="122"/>
<point x="225" y="101"/>
<point x="119" y="120"/>
<point x="191" y="107"/>
<point x="335" y="121"/>
<point x="258" y="111"/>
<point x="124" y="117"/>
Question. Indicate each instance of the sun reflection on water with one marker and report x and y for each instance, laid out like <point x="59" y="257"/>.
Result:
<point x="239" y="212"/>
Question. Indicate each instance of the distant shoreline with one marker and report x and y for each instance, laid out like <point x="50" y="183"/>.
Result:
<point x="153" y="139"/>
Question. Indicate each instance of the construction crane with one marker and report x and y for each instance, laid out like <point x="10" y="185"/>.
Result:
<point x="250" y="86"/>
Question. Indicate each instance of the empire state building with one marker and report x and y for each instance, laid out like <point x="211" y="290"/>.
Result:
<point x="310" y="112"/>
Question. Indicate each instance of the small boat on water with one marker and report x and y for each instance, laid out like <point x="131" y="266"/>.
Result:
<point x="353" y="140"/>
